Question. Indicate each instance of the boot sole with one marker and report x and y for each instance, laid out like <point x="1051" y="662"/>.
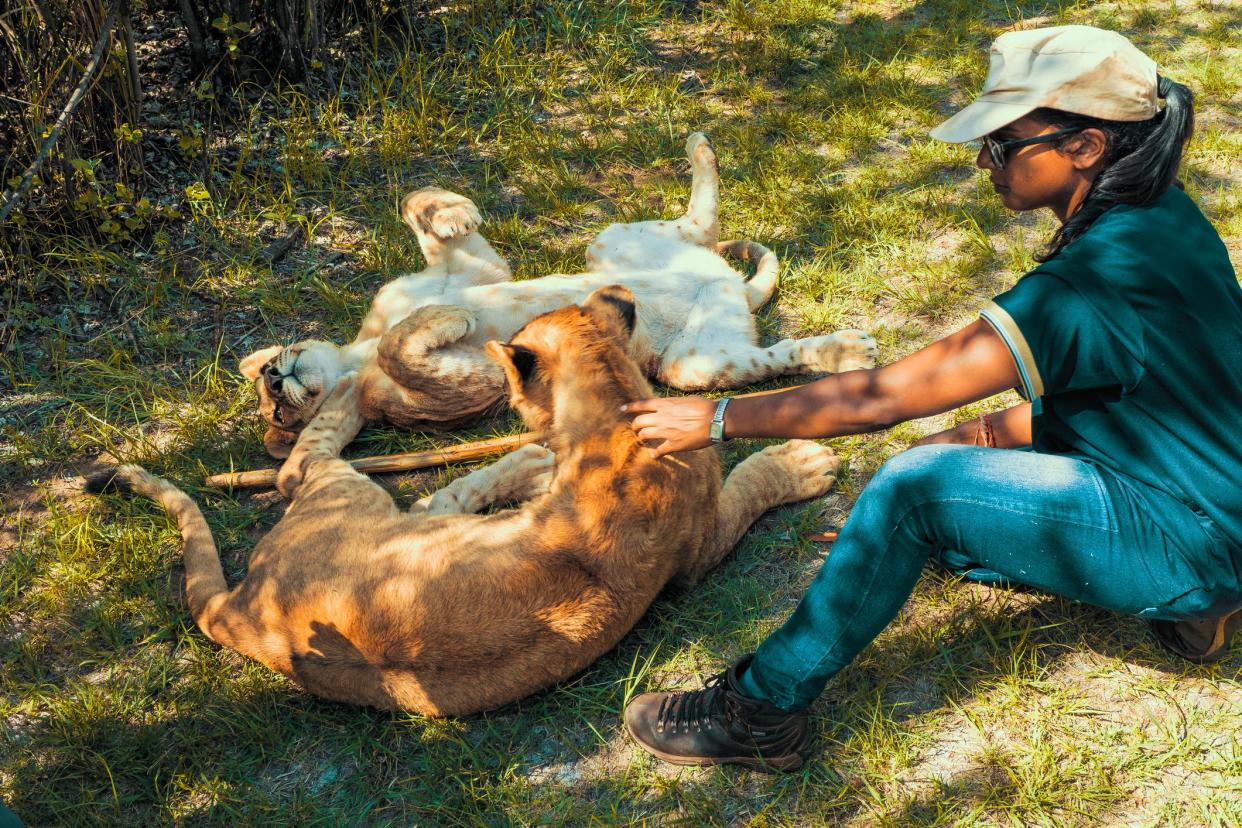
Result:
<point x="773" y="763"/>
<point x="1227" y="627"/>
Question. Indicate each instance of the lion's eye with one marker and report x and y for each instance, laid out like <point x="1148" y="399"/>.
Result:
<point x="277" y="415"/>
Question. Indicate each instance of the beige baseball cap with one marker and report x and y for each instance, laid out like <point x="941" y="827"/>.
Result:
<point x="1078" y="69"/>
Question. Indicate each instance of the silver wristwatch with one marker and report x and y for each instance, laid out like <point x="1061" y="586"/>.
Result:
<point x="716" y="432"/>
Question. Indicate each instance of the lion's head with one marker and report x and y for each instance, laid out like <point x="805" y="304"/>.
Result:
<point x="291" y="383"/>
<point x="565" y="348"/>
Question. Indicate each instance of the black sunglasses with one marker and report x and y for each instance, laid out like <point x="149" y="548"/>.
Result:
<point x="999" y="150"/>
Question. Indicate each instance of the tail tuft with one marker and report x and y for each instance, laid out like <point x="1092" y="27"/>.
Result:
<point x="115" y="480"/>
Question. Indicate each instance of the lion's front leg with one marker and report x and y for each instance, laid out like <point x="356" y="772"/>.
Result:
<point x="337" y="423"/>
<point x="520" y="475"/>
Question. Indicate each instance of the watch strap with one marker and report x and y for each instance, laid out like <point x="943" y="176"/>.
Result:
<point x="716" y="431"/>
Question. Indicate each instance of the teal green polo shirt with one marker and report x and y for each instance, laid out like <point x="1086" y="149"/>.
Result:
<point x="1129" y="345"/>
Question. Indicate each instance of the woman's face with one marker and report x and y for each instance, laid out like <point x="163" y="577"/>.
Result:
<point x="1053" y="175"/>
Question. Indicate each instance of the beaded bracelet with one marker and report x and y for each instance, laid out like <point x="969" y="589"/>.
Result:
<point x="985" y="432"/>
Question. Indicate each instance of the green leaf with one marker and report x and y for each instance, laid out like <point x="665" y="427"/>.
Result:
<point x="197" y="192"/>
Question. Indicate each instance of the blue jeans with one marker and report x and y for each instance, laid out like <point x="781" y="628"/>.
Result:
<point x="1044" y="520"/>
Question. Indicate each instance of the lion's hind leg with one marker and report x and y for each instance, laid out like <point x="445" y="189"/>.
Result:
<point x="701" y="223"/>
<point x="691" y="365"/>
<point x="792" y="471"/>
<point x="446" y="225"/>
<point x="519" y="475"/>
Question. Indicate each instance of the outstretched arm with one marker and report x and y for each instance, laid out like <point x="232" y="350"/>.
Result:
<point x="968" y="365"/>
<point x="1011" y="428"/>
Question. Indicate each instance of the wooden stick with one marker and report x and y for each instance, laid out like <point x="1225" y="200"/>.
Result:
<point x="408" y="461"/>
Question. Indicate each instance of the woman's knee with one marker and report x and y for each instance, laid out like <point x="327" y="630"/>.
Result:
<point x="918" y="473"/>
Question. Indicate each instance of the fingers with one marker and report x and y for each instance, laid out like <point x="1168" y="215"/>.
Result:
<point x="670" y="424"/>
<point x="642" y="421"/>
<point x="641" y="406"/>
<point x="658" y="446"/>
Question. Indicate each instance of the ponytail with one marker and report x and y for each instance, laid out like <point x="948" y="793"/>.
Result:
<point x="1140" y="162"/>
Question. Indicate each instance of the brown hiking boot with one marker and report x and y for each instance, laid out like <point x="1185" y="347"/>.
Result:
<point x="1199" y="641"/>
<point x="718" y="725"/>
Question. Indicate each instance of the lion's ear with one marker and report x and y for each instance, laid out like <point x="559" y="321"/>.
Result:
<point x="518" y="362"/>
<point x="252" y="365"/>
<point x="614" y="306"/>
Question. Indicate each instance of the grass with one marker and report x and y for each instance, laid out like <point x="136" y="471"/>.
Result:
<point x="975" y="707"/>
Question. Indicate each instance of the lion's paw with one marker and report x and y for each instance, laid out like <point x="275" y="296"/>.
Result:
<point x="839" y="352"/>
<point x="289" y="478"/>
<point x="530" y="474"/>
<point x="811" y="469"/>
<point x="446" y="501"/>
<point x="453" y="221"/>
<point x="699" y="150"/>
<point x="444" y="214"/>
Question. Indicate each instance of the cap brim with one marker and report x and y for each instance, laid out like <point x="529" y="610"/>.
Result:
<point x="978" y="119"/>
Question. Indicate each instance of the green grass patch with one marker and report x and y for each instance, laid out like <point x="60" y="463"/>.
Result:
<point x="975" y="707"/>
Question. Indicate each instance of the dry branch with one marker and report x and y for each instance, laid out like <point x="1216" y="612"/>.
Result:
<point x="409" y="461"/>
<point x="105" y="32"/>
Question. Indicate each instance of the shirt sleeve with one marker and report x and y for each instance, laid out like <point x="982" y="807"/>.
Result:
<point x="1057" y="339"/>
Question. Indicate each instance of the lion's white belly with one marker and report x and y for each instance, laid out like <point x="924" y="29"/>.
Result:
<point x="692" y="289"/>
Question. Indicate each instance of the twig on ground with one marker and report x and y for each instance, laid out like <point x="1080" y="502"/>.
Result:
<point x="408" y="461"/>
<point x="295" y="235"/>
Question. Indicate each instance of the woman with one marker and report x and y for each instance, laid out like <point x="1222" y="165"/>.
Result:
<point x="1127" y="342"/>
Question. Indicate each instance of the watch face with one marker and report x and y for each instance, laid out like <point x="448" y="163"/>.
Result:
<point x="716" y="432"/>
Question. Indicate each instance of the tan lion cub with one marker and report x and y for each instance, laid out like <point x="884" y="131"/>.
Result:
<point x="441" y="611"/>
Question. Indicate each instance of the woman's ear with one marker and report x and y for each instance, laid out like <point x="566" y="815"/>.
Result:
<point x="517" y="362"/>
<point x="1087" y="148"/>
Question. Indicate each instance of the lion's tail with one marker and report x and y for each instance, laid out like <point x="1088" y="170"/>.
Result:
<point x="759" y="287"/>
<point x="205" y="586"/>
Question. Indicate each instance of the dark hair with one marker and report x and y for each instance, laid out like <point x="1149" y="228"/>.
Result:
<point x="1140" y="158"/>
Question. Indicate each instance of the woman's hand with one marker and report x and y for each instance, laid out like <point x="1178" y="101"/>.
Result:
<point x="670" y="424"/>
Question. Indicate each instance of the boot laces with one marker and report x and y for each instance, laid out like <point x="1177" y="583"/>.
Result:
<point x="694" y="709"/>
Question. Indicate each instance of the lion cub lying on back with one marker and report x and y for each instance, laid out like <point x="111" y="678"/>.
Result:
<point x="419" y="354"/>
<point x="441" y="611"/>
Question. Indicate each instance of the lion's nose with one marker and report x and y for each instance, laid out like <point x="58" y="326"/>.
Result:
<point x="273" y="379"/>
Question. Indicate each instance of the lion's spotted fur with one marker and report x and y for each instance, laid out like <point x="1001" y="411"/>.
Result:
<point x="418" y="356"/>
<point x="441" y="611"/>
